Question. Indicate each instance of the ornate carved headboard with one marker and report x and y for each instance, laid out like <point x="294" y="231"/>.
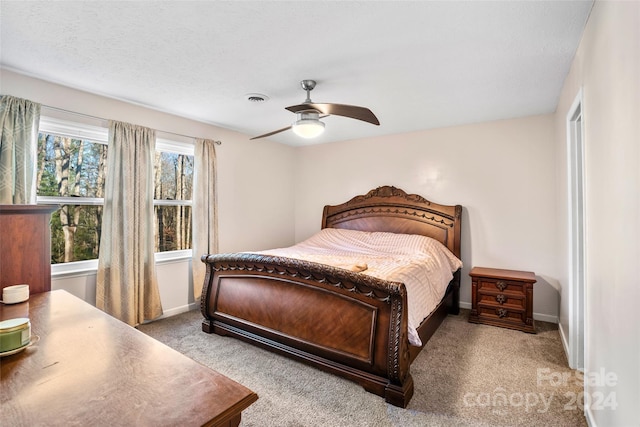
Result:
<point x="392" y="210"/>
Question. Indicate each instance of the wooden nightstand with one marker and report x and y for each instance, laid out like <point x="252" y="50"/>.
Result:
<point x="502" y="298"/>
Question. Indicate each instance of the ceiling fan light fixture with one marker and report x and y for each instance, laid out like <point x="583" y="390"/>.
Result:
<point x="308" y="127"/>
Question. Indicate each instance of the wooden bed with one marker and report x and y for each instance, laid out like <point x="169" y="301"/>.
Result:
<point x="347" y="323"/>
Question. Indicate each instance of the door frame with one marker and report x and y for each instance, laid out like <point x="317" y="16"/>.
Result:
<point x="577" y="234"/>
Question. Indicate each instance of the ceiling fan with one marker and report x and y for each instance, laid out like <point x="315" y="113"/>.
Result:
<point x="309" y="113"/>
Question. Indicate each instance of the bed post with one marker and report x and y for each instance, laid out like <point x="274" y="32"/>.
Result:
<point x="399" y="389"/>
<point x="397" y="395"/>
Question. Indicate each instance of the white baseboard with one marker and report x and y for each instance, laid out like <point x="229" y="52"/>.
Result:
<point x="589" y="416"/>
<point x="546" y="318"/>
<point x="178" y="310"/>
<point x="537" y="316"/>
<point x="565" y="341"/>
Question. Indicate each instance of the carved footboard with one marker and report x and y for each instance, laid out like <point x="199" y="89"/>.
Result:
<point x="346" y="323"/>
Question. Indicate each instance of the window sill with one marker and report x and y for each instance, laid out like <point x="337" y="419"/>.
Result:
<point x="173" y="256"/>
<point x="90" y="267"/>
<point x="74" y="269"/>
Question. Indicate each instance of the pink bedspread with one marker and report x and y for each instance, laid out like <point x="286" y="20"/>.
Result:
<point x="423" y="264"/>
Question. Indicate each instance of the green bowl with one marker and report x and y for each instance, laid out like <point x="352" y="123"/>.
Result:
<point x="14" y="333"/>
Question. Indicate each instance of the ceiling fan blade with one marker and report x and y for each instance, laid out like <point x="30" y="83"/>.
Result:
<point x="280" y="130"/>
<point x="270" y="133"/>
<point x="350" y="111"/>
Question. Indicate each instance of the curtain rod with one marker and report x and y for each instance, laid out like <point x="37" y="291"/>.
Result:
<point x="101" y="118"/>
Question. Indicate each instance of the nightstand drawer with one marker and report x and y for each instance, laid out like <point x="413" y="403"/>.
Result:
<point x="504" y="300"/>
<point x="501" y="314"/>
<point x="501" y="286"/>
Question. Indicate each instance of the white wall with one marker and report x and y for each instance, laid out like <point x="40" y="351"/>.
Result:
<point x="502" y="173"/>
<point x="607" y="68"/>
<point x="255" y="182"/>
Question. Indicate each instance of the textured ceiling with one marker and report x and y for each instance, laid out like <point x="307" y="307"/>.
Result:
<point x="416" y="65"/>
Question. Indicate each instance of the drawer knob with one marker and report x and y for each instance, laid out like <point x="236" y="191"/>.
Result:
<point x="501" y="312"/>
<point x="501" y="285"/>
<point x="501" y="298"/>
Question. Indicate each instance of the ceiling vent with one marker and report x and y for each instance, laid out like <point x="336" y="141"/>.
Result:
<point x="256" y="97"/>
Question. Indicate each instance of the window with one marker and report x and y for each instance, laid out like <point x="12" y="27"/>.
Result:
<point x="72" y="165"/>
<point x="72" y="169"/>
<point x="173" y="188"/>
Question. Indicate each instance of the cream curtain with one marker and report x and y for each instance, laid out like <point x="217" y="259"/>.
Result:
<point x="19" y="121"/>
<point x="205" y="210"/>
<point x="126" y="284"/>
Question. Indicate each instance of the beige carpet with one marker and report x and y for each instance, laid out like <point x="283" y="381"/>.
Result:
<point x="467" y="375"/>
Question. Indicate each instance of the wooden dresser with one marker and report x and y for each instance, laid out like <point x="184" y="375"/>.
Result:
<point x="25" y="246"/>
<point x="502" y="298"/>
<point x="90" y="369"/>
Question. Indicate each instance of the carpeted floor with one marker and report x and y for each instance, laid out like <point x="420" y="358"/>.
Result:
<point x="467" y="375"/>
